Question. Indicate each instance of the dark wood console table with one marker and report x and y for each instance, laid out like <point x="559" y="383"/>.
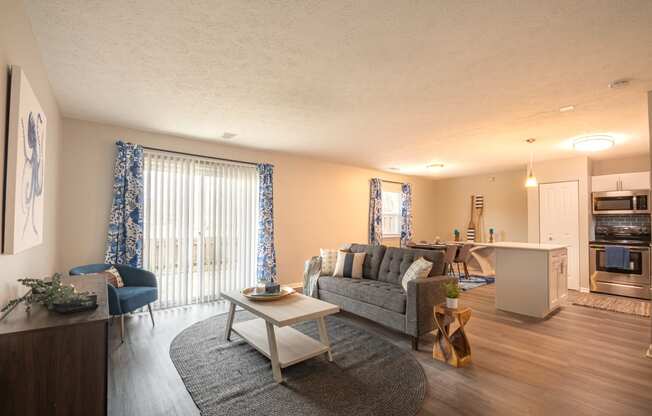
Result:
<point x="53" y="364"/>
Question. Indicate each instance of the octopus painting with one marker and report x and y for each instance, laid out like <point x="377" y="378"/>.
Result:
<point x="32" y="183"/>
<point x="24" y="195"/>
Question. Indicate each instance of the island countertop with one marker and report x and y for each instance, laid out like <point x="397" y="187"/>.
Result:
<point x="523" y="246"/>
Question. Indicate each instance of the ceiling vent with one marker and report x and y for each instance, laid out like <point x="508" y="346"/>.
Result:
<point x="618" y="83"/>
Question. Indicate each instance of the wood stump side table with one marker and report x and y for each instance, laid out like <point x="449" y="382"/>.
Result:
<point x="451" y="345"/>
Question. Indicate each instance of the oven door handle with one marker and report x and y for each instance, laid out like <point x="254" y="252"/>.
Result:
<point x="633" y="250"/>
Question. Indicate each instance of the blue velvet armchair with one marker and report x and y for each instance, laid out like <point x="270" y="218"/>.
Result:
<point x="140" y="289"/>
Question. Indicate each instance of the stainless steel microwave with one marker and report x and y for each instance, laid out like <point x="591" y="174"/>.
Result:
<point x="621" y="202"/>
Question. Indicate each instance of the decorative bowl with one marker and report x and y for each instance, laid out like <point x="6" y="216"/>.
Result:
<point x="250" y="293"/>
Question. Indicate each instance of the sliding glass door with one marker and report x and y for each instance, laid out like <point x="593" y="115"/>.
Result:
<point x="200" y="226"/>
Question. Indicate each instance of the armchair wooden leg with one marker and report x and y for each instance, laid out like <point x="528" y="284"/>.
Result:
<point x="151" y="315"/>
<point x="415" y="343"/>
<point x="122" y="328"/>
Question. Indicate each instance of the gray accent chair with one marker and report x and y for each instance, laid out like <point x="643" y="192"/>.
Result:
<point x="379" y="295"/>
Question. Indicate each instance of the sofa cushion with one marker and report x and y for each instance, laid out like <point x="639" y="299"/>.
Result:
<point x="385" y="295"/>
<point x="134" y="297"/>
<point x="397" y="260"/>
<point x="371" y="261"/>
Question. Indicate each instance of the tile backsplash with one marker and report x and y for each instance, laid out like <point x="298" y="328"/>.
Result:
<point x="606" y="220"/>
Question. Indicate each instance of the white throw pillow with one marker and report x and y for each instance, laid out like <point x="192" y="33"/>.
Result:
<point x="328" y="260"/>
<point x="419" y="269"/>
<point x="349" y="264"/>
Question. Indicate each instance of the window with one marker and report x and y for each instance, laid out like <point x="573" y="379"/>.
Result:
<point x="392" y="218"/>
<point x="200" y="226"/>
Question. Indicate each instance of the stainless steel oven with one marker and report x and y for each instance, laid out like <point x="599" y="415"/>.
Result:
<point x="621" y="202"/>
<point x="632" y="281"/>
<point x="634" y="278"/>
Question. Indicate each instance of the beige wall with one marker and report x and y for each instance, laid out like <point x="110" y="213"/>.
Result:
<point x="636" y="163"/>
<point x="505" y="205"/>
<point x="316" y="204"/>
<point x="577" y="168"/>
<point x="18" y="47"/>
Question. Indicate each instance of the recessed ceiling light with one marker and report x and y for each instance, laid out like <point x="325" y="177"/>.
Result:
<point x="567" y="108"/>
<point x="228" y="135"/>
<point x="394" y="168"/>
<point x="435" y="166"/>
<point x="593" y="143"/>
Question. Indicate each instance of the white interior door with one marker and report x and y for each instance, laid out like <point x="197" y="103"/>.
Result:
<point x="559" y="222"/>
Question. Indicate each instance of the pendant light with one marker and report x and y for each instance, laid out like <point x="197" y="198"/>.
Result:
<point x="531" y="180"/>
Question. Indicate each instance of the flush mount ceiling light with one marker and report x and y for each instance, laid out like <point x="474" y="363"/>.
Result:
<point x="394" y="168"/>
<point x="531" y="180"/>
<point x="593" y="143"/>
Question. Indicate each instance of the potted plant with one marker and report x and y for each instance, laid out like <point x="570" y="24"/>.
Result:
<point x="456" y="233"/>
<point x="452" y="294"/>
<point x="492" y="231"/>
<point x="54" y="295"/>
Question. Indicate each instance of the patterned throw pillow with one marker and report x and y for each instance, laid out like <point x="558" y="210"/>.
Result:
<point x="113" y="277"/>
<point x="328" y="260"/>
<point x="419" y="269"/>
<point x="349" y="264"/>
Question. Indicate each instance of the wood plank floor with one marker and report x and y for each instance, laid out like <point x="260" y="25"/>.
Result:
<point x="580" y="361"/>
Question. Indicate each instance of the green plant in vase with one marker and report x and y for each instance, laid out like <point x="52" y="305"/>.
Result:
<point x="47" y="293"/>
<point x="492" y="231"/>
<point x="456" y="233"/>
<point x="452" y="294"/>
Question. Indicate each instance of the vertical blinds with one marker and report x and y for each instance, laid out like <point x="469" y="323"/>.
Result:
<point x="200" y="226"/>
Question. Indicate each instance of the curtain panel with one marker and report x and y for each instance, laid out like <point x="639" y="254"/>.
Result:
<point x="376" y="211"/>
<point x="406" y="214"/>
<point x="266" y="270"/>
<point x="124" y="243"/>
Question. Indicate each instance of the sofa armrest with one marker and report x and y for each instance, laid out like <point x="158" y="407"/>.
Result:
<point x="422" y="296"/>
<point x="133" y="276"/>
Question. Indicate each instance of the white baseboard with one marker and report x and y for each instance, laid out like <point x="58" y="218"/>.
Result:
<point x="585" y="290"/>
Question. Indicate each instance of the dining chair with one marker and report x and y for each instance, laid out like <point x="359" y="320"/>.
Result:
<point x="461" y="258"/>
<point x="449" y="258"/>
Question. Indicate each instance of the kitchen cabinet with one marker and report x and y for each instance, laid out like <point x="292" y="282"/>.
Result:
<point x="621" y="182"/>
<point x="557" y="278"/>
<point x="531" y="278"/>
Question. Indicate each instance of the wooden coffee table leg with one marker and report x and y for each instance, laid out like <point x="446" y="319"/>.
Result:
<point x="273" y="352"/>
<point x="323" y="337"/>
<point x="229" y="322"/>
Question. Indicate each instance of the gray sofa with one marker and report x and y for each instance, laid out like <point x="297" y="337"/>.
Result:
<point x="379" y="296"/>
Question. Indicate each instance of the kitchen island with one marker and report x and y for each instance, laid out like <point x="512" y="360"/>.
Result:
<point x="530" y="277"/>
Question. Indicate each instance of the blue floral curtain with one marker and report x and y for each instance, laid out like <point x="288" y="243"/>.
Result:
<point x="124" y="243"/>
<point x="406" y="213"/>
<point x="376" y="212"/>
<point x="266" y="254"/>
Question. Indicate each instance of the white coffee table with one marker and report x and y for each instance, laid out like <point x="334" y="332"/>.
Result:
<point x="271" y="334"/>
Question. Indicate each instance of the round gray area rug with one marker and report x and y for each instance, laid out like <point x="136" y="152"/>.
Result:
<point x="368" y="375"/>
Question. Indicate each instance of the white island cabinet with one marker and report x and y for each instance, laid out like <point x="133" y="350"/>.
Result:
<point x="530" y="277"/>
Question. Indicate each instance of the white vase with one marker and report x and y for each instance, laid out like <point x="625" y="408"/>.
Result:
<point x="451" y="303"/>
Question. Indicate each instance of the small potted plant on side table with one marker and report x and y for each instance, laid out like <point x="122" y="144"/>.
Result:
<point x="452" y="294"/>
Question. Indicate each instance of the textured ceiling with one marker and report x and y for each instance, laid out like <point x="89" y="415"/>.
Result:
<point x="370" y="83"/>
